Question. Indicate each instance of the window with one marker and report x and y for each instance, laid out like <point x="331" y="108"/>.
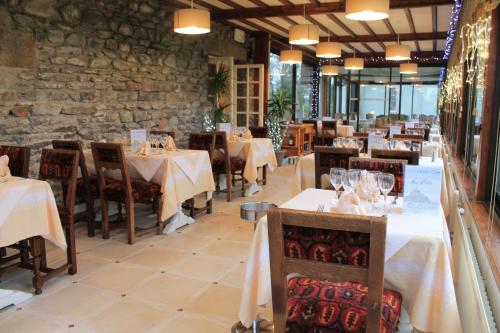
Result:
<point x="281" y="75"/>
<point x="304" y="92"/>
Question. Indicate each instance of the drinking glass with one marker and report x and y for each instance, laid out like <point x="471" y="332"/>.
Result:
<point x="351" y="179"/>
<point x="385" y="183"/>
<point x="361" y="145"/>
<point x="407" y="144"/>
<point x="415" y="146"/>
<point x="336" y="176"/>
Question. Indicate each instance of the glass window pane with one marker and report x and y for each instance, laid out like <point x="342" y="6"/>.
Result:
<point x="254" y="74"/>
<point x="241" y="120"/>
<point x="241" y="74"/>
<point x="241" y="90"/>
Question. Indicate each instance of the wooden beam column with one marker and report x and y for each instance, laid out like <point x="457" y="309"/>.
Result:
<point x="262" y="51"/>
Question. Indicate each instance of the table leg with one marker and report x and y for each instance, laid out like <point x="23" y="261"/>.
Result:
<point x="36" y="252"/>
<point x="177" y="221"/>
<point x="259" y="325"/>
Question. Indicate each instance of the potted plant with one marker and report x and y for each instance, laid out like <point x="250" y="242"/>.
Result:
<point x="218" y="87"/>
<point x="279" y="110"/>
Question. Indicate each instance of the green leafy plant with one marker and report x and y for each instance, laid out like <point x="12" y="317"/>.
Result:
<point x="280" y="106"/>
<point x="218" y="86"/>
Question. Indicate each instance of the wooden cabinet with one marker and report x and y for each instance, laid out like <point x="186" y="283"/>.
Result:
<point x="302" y="136"/>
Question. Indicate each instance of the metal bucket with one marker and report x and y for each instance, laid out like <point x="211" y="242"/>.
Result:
<point x="254" y="211"/>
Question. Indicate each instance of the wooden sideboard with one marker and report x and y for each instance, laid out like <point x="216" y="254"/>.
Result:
<point x="303" y="136"/>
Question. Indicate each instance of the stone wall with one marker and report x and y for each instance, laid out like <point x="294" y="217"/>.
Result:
<point x="86" y="68"/>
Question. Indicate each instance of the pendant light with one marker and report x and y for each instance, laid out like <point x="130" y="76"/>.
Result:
<point x="303" y="34"/>
<point x="354" y="64"/>
<point x="397" y="52"/>
<point x="291" y="57"/>
<point x="408" y="68"/>
<point x="192" y="21"/>
<point x="367" y="10"/>
<point x="328" y="49"/>
<point x="330" y="70"/>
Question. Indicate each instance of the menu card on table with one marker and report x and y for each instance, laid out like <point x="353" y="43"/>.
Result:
<point x="137" y="138"/>
<point x="394" y="129"/>
<point x="422" y="189"/>
<point x="375" y="141"/>
<point x="409" y="124"/>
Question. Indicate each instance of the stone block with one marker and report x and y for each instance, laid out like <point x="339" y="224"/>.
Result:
<point x="41" y="8"/>
<point x="79" y="110"/>
<point x="144" y="8"/>
<point x="100" y="63"/>
<point x="21" y="111"/>
<point x="46" y="109"/>
<point x="18" y="49"/>
<point x="71" y="14"/>
<point x="125" y="29"/>
<point x="55" y="36"/>
<point x="121" y="65"/>
<point x="126" y="116"/>
<point x="76" y="39"/>
<point x="134" y="86"/>
<point x="77" y="62"/>
<point x="141" y="116"/>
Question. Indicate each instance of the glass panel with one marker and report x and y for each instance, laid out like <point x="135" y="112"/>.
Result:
<point x="254" y="74"/>
<point x="253" y="120"/>
<point x="254" y="90"/>
<point x="304" y="91"/>
<point x="241" y="74"/>
<point x="281" y="75"/>
<point x="241" y="105"/>
<point x="407" y="102"/>
<point x="253" y="105"/>
<point x="241" y="120"/>
<point x="241" y="90"/>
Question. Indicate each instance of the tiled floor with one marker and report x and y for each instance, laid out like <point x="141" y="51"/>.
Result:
<point x="189" y="281"/>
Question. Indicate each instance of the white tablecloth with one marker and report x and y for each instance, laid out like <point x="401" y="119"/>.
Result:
<point x="256" y="152"/>
<point x="417" y="264"/>
<point x="305" y="177"/>
<point x="27" y="209"/>
<point x="182" y="174"/>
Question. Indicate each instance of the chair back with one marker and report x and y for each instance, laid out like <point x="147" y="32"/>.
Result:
<point x="327" y="126"/>
<point x="411" y="157"/>
<point x="422" y="132"/>
<point x="410" y="137"/>
<point x="162" y="133"/>
<point x="364" y="137"/>
<point x="202" y="141"/>
<point x="259" y="132"/>
<point x="76" y="146"/>
<point x="110" y="156"/>
<point x="61" y="165"/>
<point x="19" y="160"/>
<point x="395" y="167"/>
<point x="221" y="146"/>
<point x="309" y="244"/>
<point x="326" y="158"/>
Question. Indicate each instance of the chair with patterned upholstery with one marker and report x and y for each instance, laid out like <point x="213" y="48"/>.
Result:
<point x="87" y="189"/>
<point x="395" y="167"/>
<point x="411" y="157"/>
<point x="232" y="167"/>
<point x="259" y="131"/>
<point x="109" y="157"/>
<point x="340" y="259"/>
<point x="326" y="158"/>
<point x="328" y="131"/>
<point x="58" y="166"/>
<point x="19" y="165"/>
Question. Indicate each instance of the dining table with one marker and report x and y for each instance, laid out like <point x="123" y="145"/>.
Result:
<point x="182" y="174"/>
<point x="256" y="152"/>
<point x="27" y="209"/>
<point x="417" y="264"/>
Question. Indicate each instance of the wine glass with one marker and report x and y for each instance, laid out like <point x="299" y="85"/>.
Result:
<point x="369" y="186"/>
<point x="361" y="145"/>
<point x="415" y="146"/>
<point x="407" y="144"/>
<point x="351" y="179"/>
<point x="385" y="183"/>
<point x="336" y="176"/>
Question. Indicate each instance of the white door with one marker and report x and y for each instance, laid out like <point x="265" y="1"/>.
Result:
<point x="248" y="95"/>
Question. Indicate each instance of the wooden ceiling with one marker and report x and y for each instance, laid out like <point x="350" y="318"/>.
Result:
<point x="421" y="24"/>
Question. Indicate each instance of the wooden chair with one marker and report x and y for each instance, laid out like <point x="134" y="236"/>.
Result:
<point x="200" y="141"/>
<point x="19" y="165"/>
<point x="162" y="133"/>
<point x="328" y="131"/>
<point x="395" y="167"/>
<point x="315" y="128"/>
<point x="326" y="158"/>
<point x="411" y="157"/>
<point x="57" y="166"/>
<point x="413" y="138"/>
<point x="87" y="188"/>
<point x="423" y="132"/>
<point x="341" y="259"/>
<point x="110" y="156"/>
<point x="232" y="167"/>
<point x="259" y="132"/>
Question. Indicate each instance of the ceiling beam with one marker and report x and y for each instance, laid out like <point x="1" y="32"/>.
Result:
<point x="389" y="37"/>
<point x="409" y="17"/>
<point x="312" y="9"/>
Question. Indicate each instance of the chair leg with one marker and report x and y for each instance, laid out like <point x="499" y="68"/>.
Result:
<point x="90" y="217"/>
<point x="229" y="188"/>
<point x="191" y="207"/>
<point x="130" y="221"/>
<point x="159" y="222"/>
<point x="264" y="175"/>
<point x="120" y="216"/>
<point x="43" y="253"/>
<point x="209" y="206"/>
<point x="105" y="219"/>
<point x="242" y="185"/>
<point x="217" y="179"/>
<point x="35" y="252"/>
<point x="71" y="250"/>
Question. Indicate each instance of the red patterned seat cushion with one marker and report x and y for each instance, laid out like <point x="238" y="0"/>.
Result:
<point x="341" y="247"/>
<point x="219" y="164"/>
<point x="94" y="187"/>
<point x="142" y="191"/>
<point x="326" y="307"/>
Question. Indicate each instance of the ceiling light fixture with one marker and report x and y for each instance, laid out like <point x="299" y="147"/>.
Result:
<point x="192" y="21"/>
<point x="330" y="70"/>
<point x="398" y="52"/>
<point x="303" y="34"/>
<point x="291" y="57"/>
<point x="408" y="68"/>
<point x="328" y="49"/>
<point x="367" y="10"/>
<point x="354" y="64"/>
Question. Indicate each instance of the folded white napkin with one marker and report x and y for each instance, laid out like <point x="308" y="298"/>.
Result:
<point x="349" y="203"/>
<point x="145" y="148"/>
<point x="247" y="134"/>
<point x="234" y="137"/>
<point x="4" y="166"/>
<point x="400" y="146"/>
<point x="169" y="144"/>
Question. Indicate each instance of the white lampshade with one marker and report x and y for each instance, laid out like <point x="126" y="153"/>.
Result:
<point x="303" y="34"/>
<point x="408" y="68"/>
<point x="354" y="64"/>
<point x="330" y="70"/>
<point x="291" y="57"/>
<point x="397" y="52"/>
<point x="367" y="10"/>
<point x="192" y="21"/>
<point x="328" y="50"/>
